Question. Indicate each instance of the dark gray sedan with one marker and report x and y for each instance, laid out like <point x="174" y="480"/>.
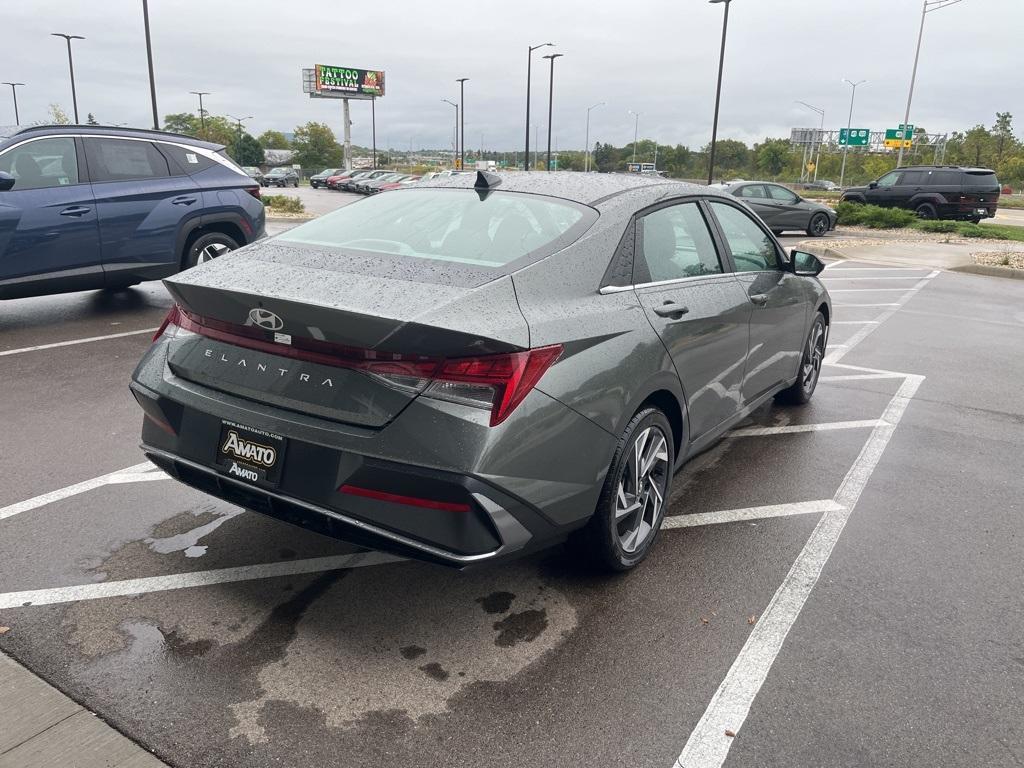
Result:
<point x="782" y="209"/>
<point x="480" y="366"/>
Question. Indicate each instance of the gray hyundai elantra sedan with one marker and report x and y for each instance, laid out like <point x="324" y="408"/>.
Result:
<point x="473" y="368"/>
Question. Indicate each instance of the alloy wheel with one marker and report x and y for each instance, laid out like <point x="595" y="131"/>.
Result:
<point x="813" y="357"/>
<point x="641" y="492"/>
<point x="211" y="252"/>
<point x="819" y="226"/>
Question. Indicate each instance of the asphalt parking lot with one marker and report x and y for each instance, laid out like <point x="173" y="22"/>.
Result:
<point x="838" y="584"/>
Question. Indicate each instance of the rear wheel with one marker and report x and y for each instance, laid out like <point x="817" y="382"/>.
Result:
<point x="810" y="365"/>
<point x="926" y="211"/>
<point x="632" y="503"/>
<point x="818" y="225"/>
<point x="208" y="247"/>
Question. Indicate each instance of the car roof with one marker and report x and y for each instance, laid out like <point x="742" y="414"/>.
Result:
<point x="968" y="168"/>
<point x="104" y="130"/>
<point x="586" y="188"/>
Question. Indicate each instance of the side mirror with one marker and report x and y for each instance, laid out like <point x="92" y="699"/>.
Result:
<point x="6" y="181"/>
<point x="873" y="185"/>
<point x="806" y="264"/>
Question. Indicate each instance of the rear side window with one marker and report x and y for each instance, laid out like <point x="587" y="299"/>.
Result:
<point x="676" y="243"/>
<point x="42" y="164"/>
<point x="944" y="178"/>
<point x="124" y="160"/>
<point x="754" y="190"/>
<point x="188" y="160"/>
<point x="449" y="225"/>
<point x="913" y="178"/>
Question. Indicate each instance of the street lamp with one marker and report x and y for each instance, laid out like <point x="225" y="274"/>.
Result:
<point x="14" y="95"/>
<point x="462" y="121"/>
<point x="238" y="141"/>
<point x="849" y="122"/>
<point x="455" y="145"/>
<point x="821" y="128"/>
<point x="551" y="98"/>
<point x="636" y="131"/>
<point x="529" y="64"/>
<point x="927" y="7"/>
<point x="149" y="59"/>
<point x="202" y="113"/>
<point x="718" y="89"/>
<point x="586" y="157"/>
<point x="71" y="68"/>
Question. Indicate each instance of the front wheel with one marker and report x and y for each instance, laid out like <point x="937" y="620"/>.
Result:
<point x="632" y="503"/>
<point x="818" y="225"/>
<point x="810" y="365"/>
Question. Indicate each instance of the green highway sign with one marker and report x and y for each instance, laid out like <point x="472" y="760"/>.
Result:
<point x="905" y="133"/>
<point x="854" y="137"/>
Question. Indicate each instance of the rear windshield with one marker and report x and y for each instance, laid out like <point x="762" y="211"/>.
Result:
<point x="450" y="225"/>
<point x="985" y="179"/>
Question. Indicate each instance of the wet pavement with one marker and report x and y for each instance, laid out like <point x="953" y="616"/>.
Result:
<point x="837" y="584"/>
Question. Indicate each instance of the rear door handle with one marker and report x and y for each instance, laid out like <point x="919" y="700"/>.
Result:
<point x="75" y="210"/>
<point x="671" y="309"/>
<point x="760" y="299"/>
<point x="183" y="201"/>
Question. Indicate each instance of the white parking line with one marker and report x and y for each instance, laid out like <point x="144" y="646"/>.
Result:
<point x="852" y="304"/>
<point x="860" y="377"/>
<point x="193" y="579"/>
<point x="76" y="341"/>
<point x="792" y="428"/>
<point x="708" y="745"/>
<point x="138" y="473"/>
<point x="854" y="322"/>
<point x="881" y="269"/>
<point x="749" y="513"/>
<point x="830" y="278"/>
<point x="865" y="290"/>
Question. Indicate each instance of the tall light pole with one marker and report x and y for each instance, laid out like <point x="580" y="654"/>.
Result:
<point x="586" y="158"/>
<point x="71" y="68"/>
<point x="14" y="95"/>
<point x="718" y="89"/>
<point x="462" y="121"/>
<point x="455" y="142"/>
<point x="238" y="141"/>
<point x="821" y="129"/>
<point x="849" y="122"/>
<point x="636" y="131"/>
<point x="202" y="113"/>
<point x="529" y="64"/>
<point x="149" y="59"/>
<point x="927" y="7"/>
<point x="551" y="99"/>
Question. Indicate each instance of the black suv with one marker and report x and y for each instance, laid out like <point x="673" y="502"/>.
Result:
<point x="934" y="192"/>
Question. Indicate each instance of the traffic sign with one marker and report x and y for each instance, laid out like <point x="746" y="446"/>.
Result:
<point x="902" y="137"/>
<point x="855" y="137"/>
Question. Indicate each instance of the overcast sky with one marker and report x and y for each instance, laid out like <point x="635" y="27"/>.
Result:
<point x="656" y="57"/>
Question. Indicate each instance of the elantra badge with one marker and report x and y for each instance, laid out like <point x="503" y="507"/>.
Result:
<point x="264" y="318"/>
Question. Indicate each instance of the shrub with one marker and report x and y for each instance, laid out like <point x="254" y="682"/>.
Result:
<point x="937" y="226"/>
<point x="849" y="213"/>
<point x="284" y="203"/>
<point x="976" y="230"/>
<point x="876" y="217"/>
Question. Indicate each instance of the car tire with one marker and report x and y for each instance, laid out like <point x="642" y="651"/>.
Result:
<point x="207" y="247"/>
<point x="615" y="541"/>
<point x="926" y="211"/>
<point x="818" y="225"/>
<point x="811" y="360"/>
<point x="777" y="232"/>
<point x="975" y="221"/>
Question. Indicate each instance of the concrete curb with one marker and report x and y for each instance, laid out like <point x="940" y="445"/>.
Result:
<point x="271" y="217"/>
<point x="989" y="271"/>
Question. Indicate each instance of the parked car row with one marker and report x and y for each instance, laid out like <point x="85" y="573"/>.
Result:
<point x="369" y="182"/>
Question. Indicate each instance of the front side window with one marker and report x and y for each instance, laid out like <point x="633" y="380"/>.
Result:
<point x="889" y="179"/>
<point x="42" y="164"/>
<point x="781" y="194"/>
<point x="448" y="225"/>
<point x="124" y="160"/>
<point x="676" y="243"/>
<point x="751" y="247"/>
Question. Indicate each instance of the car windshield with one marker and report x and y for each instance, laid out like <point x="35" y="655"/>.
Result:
<point x="452" y="225"/>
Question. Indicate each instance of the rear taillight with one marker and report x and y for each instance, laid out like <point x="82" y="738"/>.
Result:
<point x="497" y="383"/>
<point x="254" y="191"/>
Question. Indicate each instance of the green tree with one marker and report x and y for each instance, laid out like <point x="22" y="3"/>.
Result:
<point x="273" y="140"/>
<point x="90" y="120"/>
<point x="182" y="122"/>
<point x="772" y="156"/>
<point x="1002" y="132"/>
<point x="246" y="151"/>
<point x="315" y="146"/>
<point x="731" y="157"/>
<point x="58" y="116"/>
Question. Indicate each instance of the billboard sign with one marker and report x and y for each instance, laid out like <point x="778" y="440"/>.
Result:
<point x="348" y="82"/>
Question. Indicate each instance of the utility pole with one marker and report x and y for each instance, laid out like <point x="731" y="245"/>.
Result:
<point x="849" y="122"/>
<point x="636" y="131"/>
<point x="462" y="124"/>
<point x="551" y="99"/>
<point x="586" y="157"/>
<point x="927" y="7"/>
<point x="455" y="139"/>
<point x="718" y="88"/>
<point x="373" y="128"/>
<point x="238" y="140"/>
<point x="14" y="95"/>
<point x="202" y="113"/>
<point x="529" y="64"/>
<point x="149" y="59"/>
<point x="346" y="116"/>
<point x="71" y="69"/>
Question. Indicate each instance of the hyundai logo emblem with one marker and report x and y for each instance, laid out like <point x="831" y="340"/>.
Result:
<point x="264" y="318"/>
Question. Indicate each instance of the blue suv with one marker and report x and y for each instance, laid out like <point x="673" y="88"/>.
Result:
<point x="84" y="207"/>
